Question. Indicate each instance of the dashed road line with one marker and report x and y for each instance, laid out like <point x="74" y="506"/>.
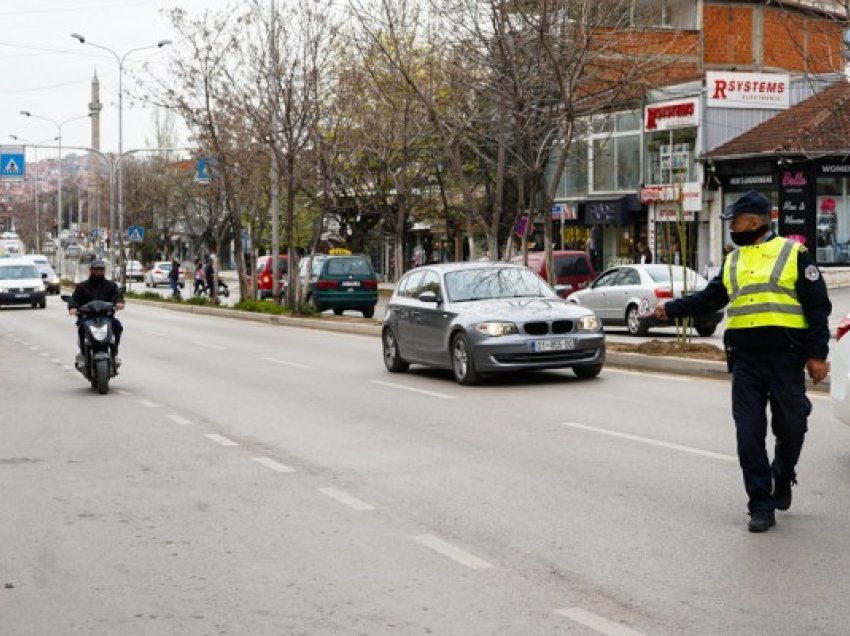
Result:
<point x="452" y="551"/>
<point x="207" y="345"/>
<point x="55" y="360"/>
<point x="597" y="623"/>
<point x="275" y="466"/>
<point x="287" y="363"/>
<point x="661" y="376"/>
<point x="179" y="419"/>
<point x="221" y="439"/>
<point x="149" y="404"/>
<point x="401" y="387"/>
<point x="153" y="333"/>
<point x="652" y="442"/>
<point x="344" y="498"/>
<point x="44" y="354"/>
<point x="124" y="392"/>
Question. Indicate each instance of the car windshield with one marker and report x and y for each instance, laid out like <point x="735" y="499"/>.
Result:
<point x="662" y="273"/>
<point x="18" y="272"/>
<point x="495" y="282"/>
<point x="348" y="266"/>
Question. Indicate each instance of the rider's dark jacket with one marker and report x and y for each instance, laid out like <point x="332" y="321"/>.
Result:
<point x="95" y="289"/>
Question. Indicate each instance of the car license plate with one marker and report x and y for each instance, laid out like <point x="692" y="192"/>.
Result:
<point x="22" y="295"/>
<point x="351" y="283"/>
<point x="562" y="344"/>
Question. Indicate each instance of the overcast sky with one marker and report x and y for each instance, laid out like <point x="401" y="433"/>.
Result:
<point x="48" y="73"/>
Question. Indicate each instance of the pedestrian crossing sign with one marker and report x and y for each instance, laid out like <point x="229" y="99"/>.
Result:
<point x="13" y="165"/>
<point x="136" y="233"/>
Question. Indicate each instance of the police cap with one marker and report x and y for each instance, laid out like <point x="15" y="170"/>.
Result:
<point x="751" y="202"/>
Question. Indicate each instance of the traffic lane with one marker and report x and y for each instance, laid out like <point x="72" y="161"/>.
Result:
<point x="440" y="461"/>
<point x="137" y="525"/>
<point x="357" y="448"/>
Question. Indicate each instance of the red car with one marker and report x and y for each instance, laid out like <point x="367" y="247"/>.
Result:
<point x="263" y="274"/>
<point x="573" y="269"/>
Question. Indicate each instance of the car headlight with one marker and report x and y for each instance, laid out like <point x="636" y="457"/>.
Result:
<point x="496" y="329"/>
<point x="588" y="323"/>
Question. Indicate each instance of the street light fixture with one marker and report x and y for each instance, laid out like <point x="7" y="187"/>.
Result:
<point x="58" y="125"/>
<point x="120" y="59"/>
<point x="37" y="210"/>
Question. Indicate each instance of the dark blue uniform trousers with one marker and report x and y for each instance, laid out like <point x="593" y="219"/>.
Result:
<point x="758" y="378"/>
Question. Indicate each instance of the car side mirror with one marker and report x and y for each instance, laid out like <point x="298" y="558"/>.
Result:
<point x="429" y="297"/>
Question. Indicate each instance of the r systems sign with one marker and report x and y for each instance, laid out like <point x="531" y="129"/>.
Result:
<point x="669" y="115"/>
<point x="748" y="90"/>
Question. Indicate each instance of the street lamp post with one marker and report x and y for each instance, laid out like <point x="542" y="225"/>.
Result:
<point x="59" y="189"/>
<point x="37" y="210"/>
<point x="120" y="59"/>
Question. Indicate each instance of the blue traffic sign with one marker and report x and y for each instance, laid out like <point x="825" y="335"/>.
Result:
<point x="13" y="165"/>
<point x="202" y="175"/>
<point x="136" y="233"/>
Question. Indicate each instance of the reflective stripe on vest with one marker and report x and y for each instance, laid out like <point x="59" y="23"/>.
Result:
<point x="768" y="297"/>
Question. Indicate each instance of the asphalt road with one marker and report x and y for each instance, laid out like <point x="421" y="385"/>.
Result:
<point x="247" y="479"/>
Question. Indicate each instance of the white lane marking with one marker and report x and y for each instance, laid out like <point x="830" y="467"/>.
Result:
<point x="67" y="368"/>
<point x="153" y="333"/>
<point x="220" y="439"/>
<point x="596" y="623"/>
<point x="453" y="552"/>
<point x="288" y="364"/>
<point x="652" y="442"/>
<point x="401" y="387"/>
<point x="55" y="360"/>
<point x="344" y="498"/>
<point x="34" y="349"/>
<point x="275" y="466"/>
<point x="124" y="392"/>
<point x="149" y="404"/>
<point x="179" y="419"/>
<point x="663" y="376"/>
<point x="208" y="345"/>
<point x="44" y="354"/>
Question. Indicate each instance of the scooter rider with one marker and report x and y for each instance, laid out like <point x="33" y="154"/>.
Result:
<point x="97" y="287"/>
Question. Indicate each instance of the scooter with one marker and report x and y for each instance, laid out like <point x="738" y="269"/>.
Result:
<point x="98" y="356"/>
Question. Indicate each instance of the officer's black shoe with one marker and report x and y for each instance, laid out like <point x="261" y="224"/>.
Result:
<point x="761" y="520"/>
<point x="782" y="494"/>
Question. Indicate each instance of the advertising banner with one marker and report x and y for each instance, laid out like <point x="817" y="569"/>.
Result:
<point x="747" y="90"/>
<point x="797" y="214"/>
<point x="668" y="115"/>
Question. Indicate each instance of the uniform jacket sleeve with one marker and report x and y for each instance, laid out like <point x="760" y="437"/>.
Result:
<point x="712" y="298"/>
<point x="816" y="305"/>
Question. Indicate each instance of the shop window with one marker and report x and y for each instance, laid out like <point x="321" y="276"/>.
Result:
<point x="604" y="171"/>
<point x="628" y="162"/>
<point x="833" y="220"/>
<point x="670" y="156"/>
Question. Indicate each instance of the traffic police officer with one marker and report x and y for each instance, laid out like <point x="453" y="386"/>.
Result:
<point x="777" y="330"/>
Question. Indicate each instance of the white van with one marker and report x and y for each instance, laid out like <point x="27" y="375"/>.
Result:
<point x="21" y="283"/>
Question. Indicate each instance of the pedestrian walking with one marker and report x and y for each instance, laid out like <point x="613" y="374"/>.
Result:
<point x="174" y="278"/>
<point x="209" y="274"/>
<point x="200" y="285"/>
<point x="777" y="330"/>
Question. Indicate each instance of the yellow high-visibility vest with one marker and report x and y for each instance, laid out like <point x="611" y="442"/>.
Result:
<point x="760" y="282"/>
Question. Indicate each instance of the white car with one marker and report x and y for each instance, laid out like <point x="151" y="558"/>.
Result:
<point x="135" y="271"/>
<point x="158" y="275"/>
<point x="21" y="283"/>
<point x="52" y="284"/>
<point x="840" y="373"/>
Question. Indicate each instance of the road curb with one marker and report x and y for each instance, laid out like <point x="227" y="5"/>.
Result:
<point x="633" y="361"/>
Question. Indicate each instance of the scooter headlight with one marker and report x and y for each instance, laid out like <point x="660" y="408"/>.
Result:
<point x="99" y="333"/>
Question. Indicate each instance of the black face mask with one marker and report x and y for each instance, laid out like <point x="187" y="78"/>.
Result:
<point x="96" y="278"/>
<point x="748" y="237"/>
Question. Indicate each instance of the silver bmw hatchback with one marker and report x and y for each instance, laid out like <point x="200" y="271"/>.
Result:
<point x="479" y="318"/>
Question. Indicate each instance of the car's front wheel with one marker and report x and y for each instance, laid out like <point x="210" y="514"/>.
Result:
<point x="392" y="358"/>
<point x="463" y="363"/>
<point x="633" y="322"/>
<point x="586" y="371"/>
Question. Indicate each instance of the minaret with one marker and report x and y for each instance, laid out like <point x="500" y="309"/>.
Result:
<point x="94" y="108"/>
<point x="94" y="186"/>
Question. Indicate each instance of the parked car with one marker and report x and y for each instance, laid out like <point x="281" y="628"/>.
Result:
<point x="342" y="282"/>
<point x="73" y="250"/>
<point x="840" y="372"/>
<point x="135" y="271"/>
<point x="626" y="295"/>
<point x="158" y="275"/>
<point x="12" y="243"/>
<point x="21" y="283"/>
<point x="263" y="274"/>
<point x="573" y="269"/>
<point x="52" y="284"/>
<point x="478" y="318"/>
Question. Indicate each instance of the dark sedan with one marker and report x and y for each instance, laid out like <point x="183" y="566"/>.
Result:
<point x="479" y="318"/>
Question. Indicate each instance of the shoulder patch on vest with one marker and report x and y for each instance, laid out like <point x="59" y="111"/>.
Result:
<point x="812" y="273"/>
